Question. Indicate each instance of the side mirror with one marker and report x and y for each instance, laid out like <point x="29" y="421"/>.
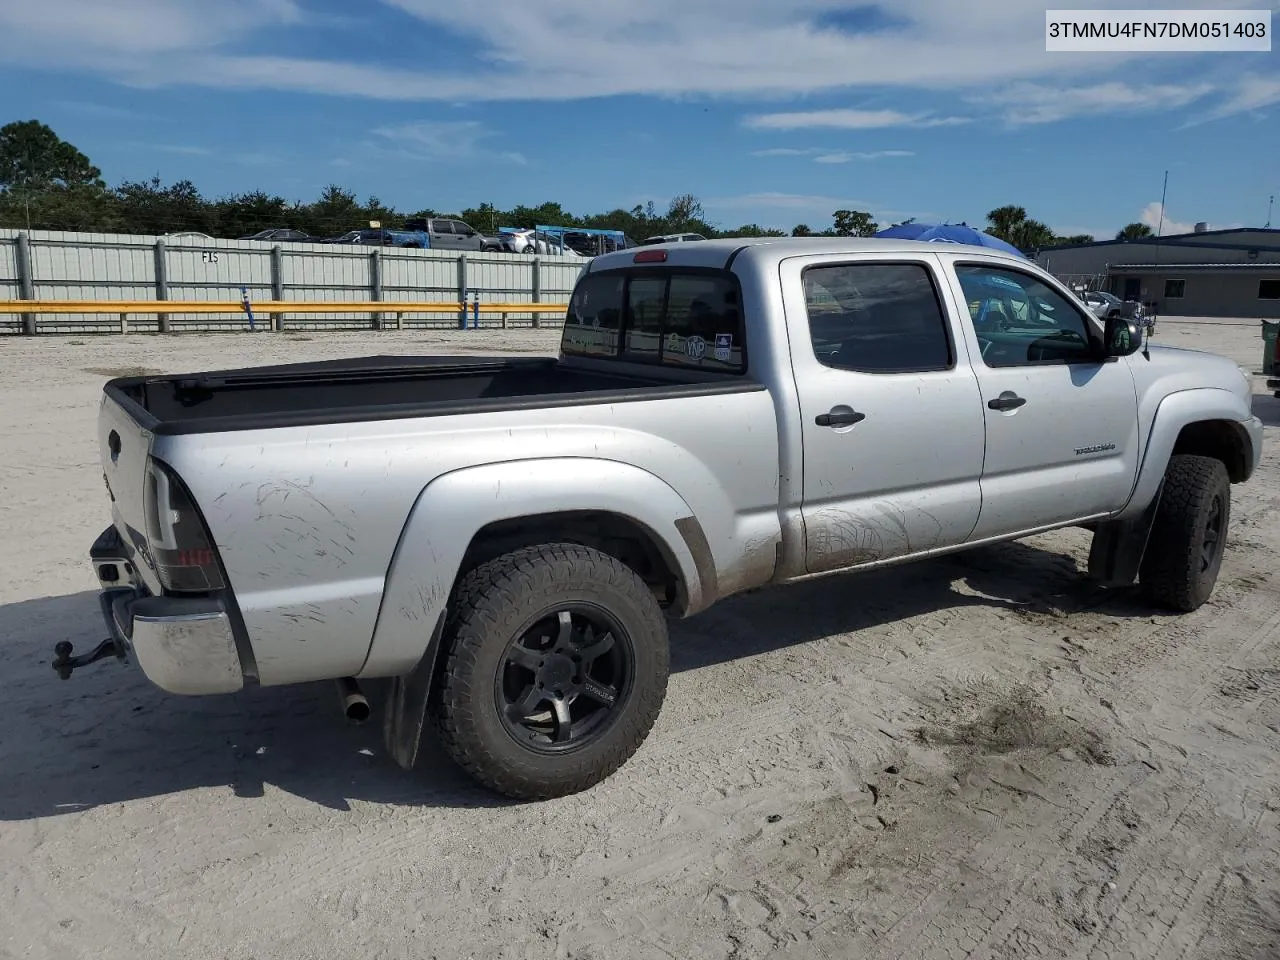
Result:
<point x="1123" y="337"/>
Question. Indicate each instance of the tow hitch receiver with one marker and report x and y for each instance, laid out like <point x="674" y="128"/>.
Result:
<point x="64" y="662"/>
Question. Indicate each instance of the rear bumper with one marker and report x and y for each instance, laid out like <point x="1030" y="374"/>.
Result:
<point x="183" y="645"/>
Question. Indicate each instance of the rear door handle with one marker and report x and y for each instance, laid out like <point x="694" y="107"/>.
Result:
<point x="839" y="419"/>
<point x="1006" y="401"/>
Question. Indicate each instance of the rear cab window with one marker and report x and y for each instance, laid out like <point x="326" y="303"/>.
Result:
<point x="665" y="316"/>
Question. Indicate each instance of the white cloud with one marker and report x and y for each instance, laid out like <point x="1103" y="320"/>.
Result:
<point x="786" y="152"/>
<point x="184" y="150"/>
<point x="1250" y="94"/>
<point x="828" y="155"/>
<point x="677" y="48"/>
<point x="1030" y="103"/>
<point x="849" y="157"/>
<point x="846" y="119"/>
<point x="442" y="140"/>
<point x="1151" y="217"/>
<point x="747" y="49"/>
<point x="111" y="33"/>
<point x="434" y="139"/>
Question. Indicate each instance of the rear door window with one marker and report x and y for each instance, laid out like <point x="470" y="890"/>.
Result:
<point x="876" y="318"/>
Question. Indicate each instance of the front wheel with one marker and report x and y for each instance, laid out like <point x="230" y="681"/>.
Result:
<point x="556" y="669"/>
<point x="1184" y="552"/>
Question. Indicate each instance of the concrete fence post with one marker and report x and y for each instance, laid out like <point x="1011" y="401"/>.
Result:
<point x="277" y="285"/>
<point x="462" y="291"/>
<point x="536" y="283"/>
<point x="162" y="281"/>
<point x="26" y="285"/>
<point x="375" y="284"/>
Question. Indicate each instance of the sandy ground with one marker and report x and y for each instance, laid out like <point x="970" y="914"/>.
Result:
<point x="981" y="757"/>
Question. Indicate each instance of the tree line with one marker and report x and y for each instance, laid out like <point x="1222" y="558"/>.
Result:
<point x="48" y="184"/>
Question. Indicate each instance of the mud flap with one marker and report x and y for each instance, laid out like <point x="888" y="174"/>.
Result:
<point x="406" y="712"/>
<point x="1118" y="547"/>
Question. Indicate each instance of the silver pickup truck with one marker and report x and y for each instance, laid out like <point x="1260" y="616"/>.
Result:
<point x="502" y="540"/>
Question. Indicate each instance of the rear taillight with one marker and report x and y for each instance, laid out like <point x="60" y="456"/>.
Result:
<point x="185" y="559"/>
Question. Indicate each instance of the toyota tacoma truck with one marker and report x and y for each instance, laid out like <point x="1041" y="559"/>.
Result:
<point x="503" y="541"/>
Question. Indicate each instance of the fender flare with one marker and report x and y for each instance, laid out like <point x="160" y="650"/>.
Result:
<point x="1175" y="412"/>
<point x="455" y="506"/>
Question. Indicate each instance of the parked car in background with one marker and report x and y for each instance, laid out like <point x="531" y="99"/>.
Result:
<point x="1106" y="305"/>
<point x="519" y="241"/>
<point x="282" y="235"/>
<point x="181" y="236"/>
<point x="536" y="242"/>
<point x="673" y="238"/>
<point x="445" y="233"/>
<point x="596" y="244"/>
<point x="383" y="237"/>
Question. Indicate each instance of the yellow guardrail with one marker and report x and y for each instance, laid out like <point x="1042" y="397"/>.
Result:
<point x="269" y="306"/>
<point x="469" y="311"/>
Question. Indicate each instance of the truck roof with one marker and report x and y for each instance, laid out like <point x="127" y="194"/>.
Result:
<point x="717" y="253"/>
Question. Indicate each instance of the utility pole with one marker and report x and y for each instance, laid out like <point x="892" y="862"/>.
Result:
<point x="1270" y="200"/>
<point x="1163" y="193"/>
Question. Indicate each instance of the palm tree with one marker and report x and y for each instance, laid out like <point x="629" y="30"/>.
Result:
<point x="1005" y="222"/>
<point x="1012" y="225"/>
<point x="1134" y="231"/>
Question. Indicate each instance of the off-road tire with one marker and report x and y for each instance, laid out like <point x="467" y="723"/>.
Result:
<point x="491" y="605"/>
<point x="1172" y="573"/>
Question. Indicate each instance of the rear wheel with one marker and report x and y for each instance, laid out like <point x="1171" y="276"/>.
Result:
<point x="556" y="670"/>
<point x="1184" y="553"/>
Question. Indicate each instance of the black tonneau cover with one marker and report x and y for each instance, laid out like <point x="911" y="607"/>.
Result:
<point x="388" y="387"/>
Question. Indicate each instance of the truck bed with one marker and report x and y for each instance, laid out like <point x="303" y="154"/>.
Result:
<point x="389" y="387"/>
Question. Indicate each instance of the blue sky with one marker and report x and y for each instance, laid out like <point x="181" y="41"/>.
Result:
<point x="769" y="111"/>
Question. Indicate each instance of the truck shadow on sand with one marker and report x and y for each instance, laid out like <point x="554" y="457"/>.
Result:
<point x="1267" y="409"/>
<point x="1019" y="578"/>
<point x="107" y="736"/>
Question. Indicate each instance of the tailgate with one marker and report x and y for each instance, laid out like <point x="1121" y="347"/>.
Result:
<point x="124" y="447"/>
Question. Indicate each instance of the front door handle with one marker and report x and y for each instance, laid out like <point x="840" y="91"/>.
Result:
<point x="839" y="418"/>
<point x="1006" y="401"/>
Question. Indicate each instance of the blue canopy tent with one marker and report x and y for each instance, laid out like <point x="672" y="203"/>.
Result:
<point x="947" y="233"/>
